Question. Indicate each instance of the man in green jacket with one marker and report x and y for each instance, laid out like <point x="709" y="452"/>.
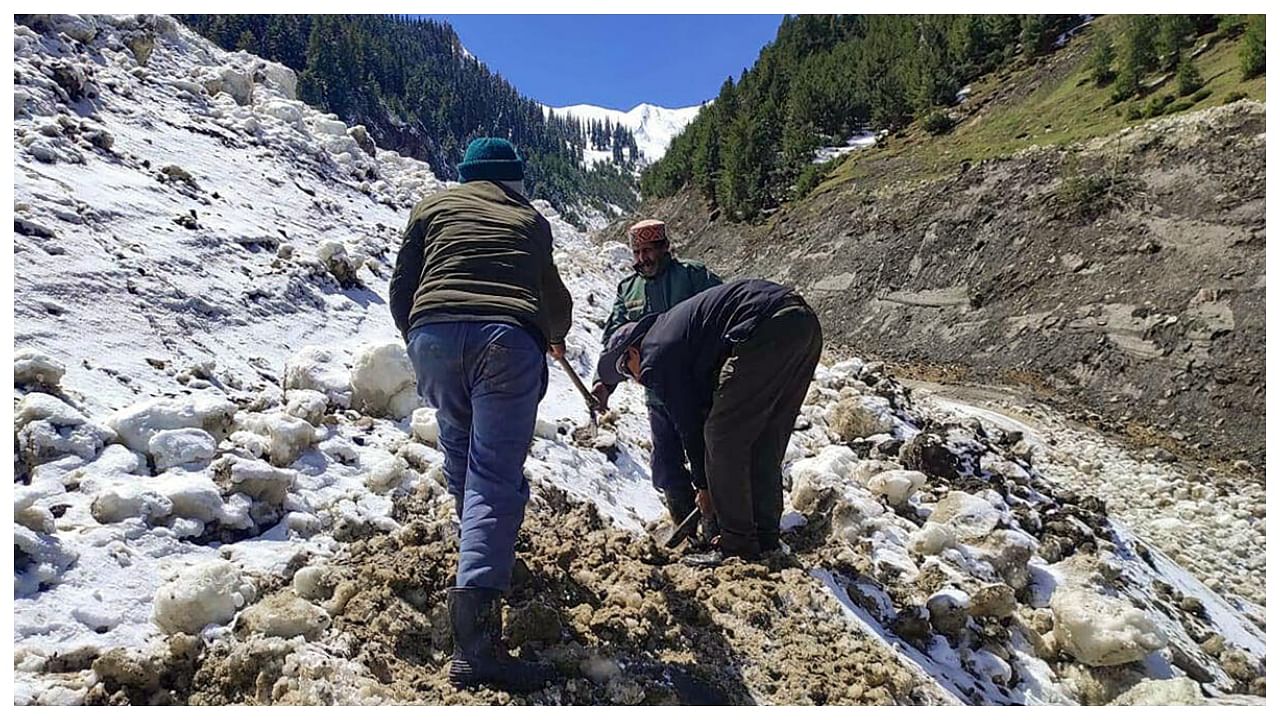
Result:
<point x="480" y="302"/>
<point x="659" y="282"/>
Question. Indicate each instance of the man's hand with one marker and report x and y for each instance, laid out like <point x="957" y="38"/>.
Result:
<point x="557" y="351"/>
<point x="600" y="392"/>
<point x="703" y="499"/>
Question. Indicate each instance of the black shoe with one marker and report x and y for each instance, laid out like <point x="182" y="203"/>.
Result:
<point x="475" y="615"/>
<point x="708" y="529"/>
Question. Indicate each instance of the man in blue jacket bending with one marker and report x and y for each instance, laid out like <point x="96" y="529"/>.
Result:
<point x="732" y="365"/>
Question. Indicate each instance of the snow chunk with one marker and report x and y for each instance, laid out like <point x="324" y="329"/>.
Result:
<point x="1100" y="631"/>
<point x="205" y="594"/>
<point x="896" y="486"/>
<point x="931" y="539"/>
<point x="47" y="428"/>
<point x="308" y="405"/>
<point x="258" y="480"/>
<point x="383" y="383"/>
<point x="139" y="422"/>
<point x="175" y="494"/>
<point x="25" y="510"/>
<point x="830" y="467"/>
<point x="75" y="27"/>
<point x="284" y="615"/>
<point x="424" y="425"/>
<point x="169" y="448"/>
<point x="1173" y="691"/>
<point x="32" y="367"/>
<point x="328" y="125"/>
<point x="969" y="516"/>
<point x="317" y="368"/>
<point x="39" y="560"/>
<point x="279" y="438"/>
<point x="286" y="111"/>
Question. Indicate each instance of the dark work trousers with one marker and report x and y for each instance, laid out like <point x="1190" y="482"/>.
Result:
<point x="761" y="387"/>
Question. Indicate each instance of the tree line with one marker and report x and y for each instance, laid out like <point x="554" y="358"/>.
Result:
<point x="1146" y="46"/>
<point x="825" y="77"/>
<point x="411" y="83"/>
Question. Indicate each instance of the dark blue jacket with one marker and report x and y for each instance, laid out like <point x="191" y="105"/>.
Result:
<point x="681" y="355"/>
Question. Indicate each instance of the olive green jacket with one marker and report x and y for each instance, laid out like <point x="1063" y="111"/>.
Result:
<point x="479" y="251"/>
<point x="638" y="295"/>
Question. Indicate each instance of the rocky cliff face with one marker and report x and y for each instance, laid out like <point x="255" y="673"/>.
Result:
<point x="1126" y="273"/>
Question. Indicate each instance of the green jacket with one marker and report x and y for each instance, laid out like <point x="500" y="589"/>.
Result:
<point x="479" y="252"/>
<point x="638" y="295"/>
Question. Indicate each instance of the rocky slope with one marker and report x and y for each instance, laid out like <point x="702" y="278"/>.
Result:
<point x="1124" y="274"/>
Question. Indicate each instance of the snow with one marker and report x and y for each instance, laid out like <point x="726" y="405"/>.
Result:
<point x="382" y="381"/>
<point x="138" y="423"/>
<point x="31" y="367"/>
<point x="1098" y="630"/>
<point x="179" y="447"/>
<point x="206" y="594"/>
<point x="653" y="126"/>
<point x="857" y="141"/>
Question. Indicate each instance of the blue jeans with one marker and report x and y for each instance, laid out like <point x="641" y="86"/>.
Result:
<point x="485" y="380"/>
<point x="667" y="466"/>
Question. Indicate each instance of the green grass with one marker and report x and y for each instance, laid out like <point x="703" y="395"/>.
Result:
<point x="1065" y="107"/>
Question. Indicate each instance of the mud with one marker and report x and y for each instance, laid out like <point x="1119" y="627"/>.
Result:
<point x="617" y="616"/>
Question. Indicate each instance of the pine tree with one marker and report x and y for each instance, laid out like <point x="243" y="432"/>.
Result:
<point x="1140" y="44"/>
<point x="1253" y="50"/>
<point x="1189" y="79"/>
<point x="247" y="42"/>
<point x="1138" y="56"/>
<point x="1172" y="39"/>
<point x="1032" y="35"/>
<point x="1101" y="58"/>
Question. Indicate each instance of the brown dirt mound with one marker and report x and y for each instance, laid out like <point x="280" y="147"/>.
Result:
<point x="620" y="619"/>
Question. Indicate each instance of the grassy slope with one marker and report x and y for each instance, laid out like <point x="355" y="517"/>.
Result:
<point x="1050" y="103"/>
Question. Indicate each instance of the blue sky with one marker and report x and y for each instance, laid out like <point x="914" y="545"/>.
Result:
<point x="616" y="60"/>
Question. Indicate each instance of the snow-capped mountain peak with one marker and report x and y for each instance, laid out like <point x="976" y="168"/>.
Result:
<point x="654" y="126"/>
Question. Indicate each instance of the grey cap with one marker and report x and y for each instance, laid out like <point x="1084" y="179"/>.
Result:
<point x="612" y="368"/>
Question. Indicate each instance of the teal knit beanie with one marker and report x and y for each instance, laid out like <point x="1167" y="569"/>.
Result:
<point x="490" y="158"/>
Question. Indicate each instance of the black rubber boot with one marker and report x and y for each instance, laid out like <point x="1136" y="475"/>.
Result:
<point x="479" y="657"/>
<point x="680" y="502"/>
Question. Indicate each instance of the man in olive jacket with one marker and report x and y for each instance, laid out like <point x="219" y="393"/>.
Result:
<point x="659" y="282"/>
<point x="479" y="301"/>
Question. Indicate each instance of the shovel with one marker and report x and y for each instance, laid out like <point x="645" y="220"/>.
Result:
<point x="593" y="405"/>
<point x="685" y="529"/>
